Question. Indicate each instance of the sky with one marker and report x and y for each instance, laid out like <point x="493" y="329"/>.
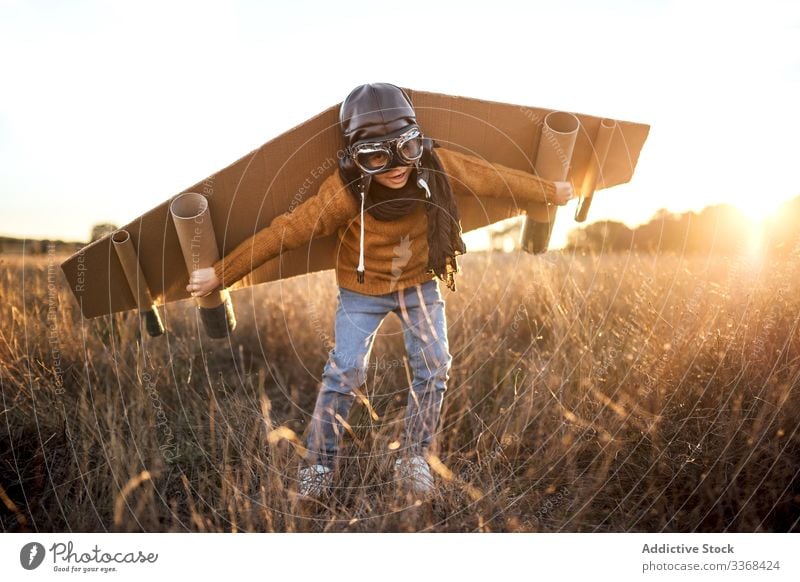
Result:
<point x="109" y="108"/>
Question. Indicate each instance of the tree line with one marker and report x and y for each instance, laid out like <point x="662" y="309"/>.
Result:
<point x="719" y="228"/>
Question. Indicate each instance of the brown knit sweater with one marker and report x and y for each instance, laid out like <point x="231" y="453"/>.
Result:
<point x="396" y="251"/>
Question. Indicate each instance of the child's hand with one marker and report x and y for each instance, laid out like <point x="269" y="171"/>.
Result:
<point x="202" y="282"/>
<point x="564" y="193"/>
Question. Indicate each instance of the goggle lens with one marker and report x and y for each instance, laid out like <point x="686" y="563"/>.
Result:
<point x="411" y="149"/>
<point x="373" y="161"/>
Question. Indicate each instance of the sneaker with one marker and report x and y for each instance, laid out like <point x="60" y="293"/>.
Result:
<point x="314" y="481"/>
<point x="414" y="474"/>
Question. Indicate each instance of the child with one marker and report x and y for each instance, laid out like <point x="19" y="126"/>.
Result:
<point x="393" y="208"/>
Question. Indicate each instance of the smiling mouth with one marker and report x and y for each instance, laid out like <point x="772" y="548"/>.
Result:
<point x="397" y="175"/>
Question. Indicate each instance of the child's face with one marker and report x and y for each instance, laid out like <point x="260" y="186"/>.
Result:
<point x="395" y="178"/>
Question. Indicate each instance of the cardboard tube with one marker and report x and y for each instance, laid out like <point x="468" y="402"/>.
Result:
<point x="121" y="239"/>
<point x="556" y="145"/>
<point x="600" y="147"/>
<point x="133" y="272"/>
<point x="192" y="219"/>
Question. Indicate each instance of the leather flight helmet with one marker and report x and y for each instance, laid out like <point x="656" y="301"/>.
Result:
<point x="375" y="110"/>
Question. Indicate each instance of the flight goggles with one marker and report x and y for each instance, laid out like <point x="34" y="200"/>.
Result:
<point x="374" y="157"/>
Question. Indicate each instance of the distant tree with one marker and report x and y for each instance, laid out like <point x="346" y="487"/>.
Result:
<point x="604" y="236"/>
<point x="101" y="230"/>
<point x="783" y="233"/>
<point x="717" y="229"/>
<point x="720" y="228"/>
<point x="666" y="230"/>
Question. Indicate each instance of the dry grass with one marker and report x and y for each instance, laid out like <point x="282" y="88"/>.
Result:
<point x="610" y="393"/>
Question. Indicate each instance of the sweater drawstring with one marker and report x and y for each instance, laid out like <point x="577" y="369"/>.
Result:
<point x="360" y="268"/>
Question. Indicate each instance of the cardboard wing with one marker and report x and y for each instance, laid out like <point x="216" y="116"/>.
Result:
<point x="592" y="152"/>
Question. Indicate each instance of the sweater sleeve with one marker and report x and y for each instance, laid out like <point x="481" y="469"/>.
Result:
<point x="472" y="176"/>
<point x="319" y="215"/>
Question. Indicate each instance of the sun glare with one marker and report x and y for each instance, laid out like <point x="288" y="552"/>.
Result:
<point x="758" y="212"/>
<point x="755" y="245"/>
<point x="755" y="207"/>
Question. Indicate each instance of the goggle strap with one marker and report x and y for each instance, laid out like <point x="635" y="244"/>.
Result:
<point x="421" y="182"/>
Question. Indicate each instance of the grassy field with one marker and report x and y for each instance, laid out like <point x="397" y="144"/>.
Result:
<point x="595" y="393"/>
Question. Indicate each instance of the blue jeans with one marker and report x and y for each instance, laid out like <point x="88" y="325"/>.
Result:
<point x="358" y="316"/>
